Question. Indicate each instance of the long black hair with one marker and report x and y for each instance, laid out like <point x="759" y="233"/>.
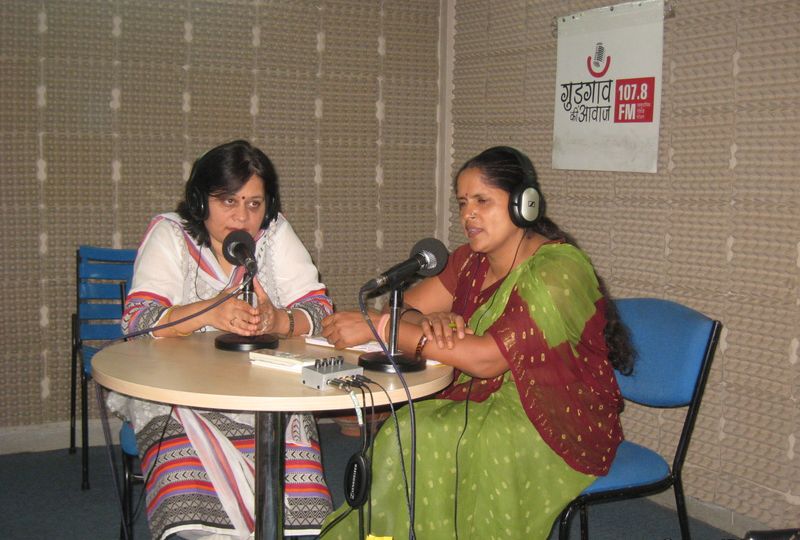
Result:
<point x="223" y="170"/>
<point x="503" y="168"/>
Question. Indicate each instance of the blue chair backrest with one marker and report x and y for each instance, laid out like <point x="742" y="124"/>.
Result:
<point x="103" y="280"/>
<point x="672" y="342"/>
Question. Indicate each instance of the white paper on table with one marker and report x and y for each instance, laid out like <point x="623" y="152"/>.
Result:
<point x="370" y="346"/>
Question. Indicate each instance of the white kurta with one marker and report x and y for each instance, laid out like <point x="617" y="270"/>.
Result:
<point x="172" y="269"/>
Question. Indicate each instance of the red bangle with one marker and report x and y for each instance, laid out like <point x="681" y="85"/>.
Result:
<point x="420" y="345"/>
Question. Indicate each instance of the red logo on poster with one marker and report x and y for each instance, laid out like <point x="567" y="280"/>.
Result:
<point x="633" y="99"/>
<point x="598" y="66"/>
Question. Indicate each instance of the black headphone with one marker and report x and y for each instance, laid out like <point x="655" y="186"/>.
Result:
<point x="196" y="202"/>
<point x="525" y="202"/>
<point x="198" y="209"/>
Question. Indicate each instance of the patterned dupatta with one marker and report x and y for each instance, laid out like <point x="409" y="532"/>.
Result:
<point x="548" y="320"/>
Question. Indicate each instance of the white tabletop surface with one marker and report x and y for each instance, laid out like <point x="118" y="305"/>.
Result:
<point x="191" y="371"/>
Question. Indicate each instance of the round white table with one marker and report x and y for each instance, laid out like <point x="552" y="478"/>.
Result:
<point x="190" y="371"/>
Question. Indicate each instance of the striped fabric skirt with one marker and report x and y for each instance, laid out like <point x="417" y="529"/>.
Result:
<point x="182" y="496"/>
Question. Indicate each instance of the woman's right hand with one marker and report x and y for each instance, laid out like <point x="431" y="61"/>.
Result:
<point x="443" y="327"/>
<point x="348" y="328"/>
<point x="234" y="315"/>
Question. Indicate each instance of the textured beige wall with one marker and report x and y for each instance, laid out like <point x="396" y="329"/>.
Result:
<point x="105" y="104"/>
<point x="716" y="228"/>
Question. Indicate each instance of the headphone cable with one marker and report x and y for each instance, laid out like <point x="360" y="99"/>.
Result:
<point x="458" y="447"/>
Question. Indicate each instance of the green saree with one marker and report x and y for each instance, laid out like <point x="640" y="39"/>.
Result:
<point x="500" y="458"/>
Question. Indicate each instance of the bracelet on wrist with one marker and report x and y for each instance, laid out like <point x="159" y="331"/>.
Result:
<point x="409" y="309"/>
<point x="167" y="318"/>
<point x="290" y="315"/>
<point x="423" y="339"/>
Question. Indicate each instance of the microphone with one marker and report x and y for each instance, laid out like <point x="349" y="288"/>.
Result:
<point x="239" y="248"/>
<point x="428" y="258"/>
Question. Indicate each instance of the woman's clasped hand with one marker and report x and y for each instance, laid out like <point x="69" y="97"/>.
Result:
<point x="238" y="316"/>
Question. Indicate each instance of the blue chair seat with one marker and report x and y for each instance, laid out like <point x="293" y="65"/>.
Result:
<point x="633" y="466"/>
<point x="127" y="440"/>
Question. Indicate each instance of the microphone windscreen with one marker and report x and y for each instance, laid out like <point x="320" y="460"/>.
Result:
<point x="232" y="241"/>
<point x="435" y="252"/>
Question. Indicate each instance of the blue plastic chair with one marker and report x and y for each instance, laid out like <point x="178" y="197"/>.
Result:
<point x="102" y="282"/>
<point x="675" y="347"/>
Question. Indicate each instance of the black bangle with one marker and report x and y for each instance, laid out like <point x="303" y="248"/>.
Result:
<point x="406" y="310"/>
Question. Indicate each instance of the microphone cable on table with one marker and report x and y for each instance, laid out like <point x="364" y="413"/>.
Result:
<point x="248" y="279"/>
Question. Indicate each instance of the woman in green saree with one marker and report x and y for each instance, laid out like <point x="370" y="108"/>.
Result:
<point x="532" y="417"/>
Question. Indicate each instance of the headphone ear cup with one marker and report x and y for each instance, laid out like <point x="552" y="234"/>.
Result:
<point x="525" y="205"/>
<point x="197" y="204"/>
<point x="271" y="213"/>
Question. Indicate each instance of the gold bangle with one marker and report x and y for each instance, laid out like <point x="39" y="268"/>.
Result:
<point x="420" y="345"/>
<point x="167" y="317"/>
<point x="290" y="315"/>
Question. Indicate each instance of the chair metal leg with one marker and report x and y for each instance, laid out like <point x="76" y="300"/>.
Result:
<point x="126" y="526"/>
<point x="680" y="505"/>
<point x="563" y="522"/>
<point x="584" y="523"/>
<point x="73" y="385"/>
<point x="72" y="400"/>
<point x="84" y="431"/>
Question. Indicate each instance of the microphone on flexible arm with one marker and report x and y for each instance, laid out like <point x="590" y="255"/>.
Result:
<point x="428" y="258"/>
<point x="239" y="249"/>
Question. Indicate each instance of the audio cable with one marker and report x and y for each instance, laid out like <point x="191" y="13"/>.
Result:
<point x="347" y="384"/>
<point x="146" y="479"/>
<point x="113" y="464"/>
<point x="365" y="380"/>
<point x="458" y="447"/>
<point x="411" y="415"/>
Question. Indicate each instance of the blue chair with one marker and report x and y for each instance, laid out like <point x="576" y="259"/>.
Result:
<point x="675" y="347"/>
<point x="102" y="282"/>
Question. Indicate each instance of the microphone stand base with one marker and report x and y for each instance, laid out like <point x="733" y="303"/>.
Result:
<point x="235" y="342"/>
<point x="378" y="361"/>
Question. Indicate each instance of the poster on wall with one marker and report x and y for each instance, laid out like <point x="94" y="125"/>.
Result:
<point x="608" y="88"/>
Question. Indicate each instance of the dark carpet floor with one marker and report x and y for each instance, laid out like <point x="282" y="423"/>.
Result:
<point x="40" y="497"/>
